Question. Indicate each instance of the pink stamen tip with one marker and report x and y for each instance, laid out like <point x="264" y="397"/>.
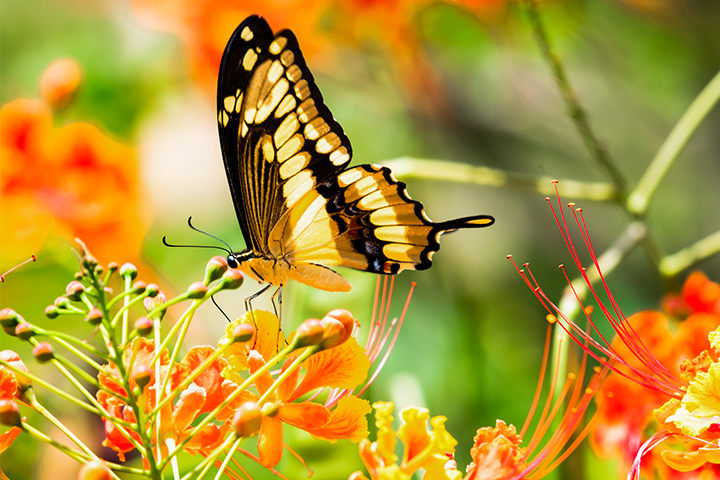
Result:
<point x="509" y="257"/>
<point x="547" y="199"/>
<point x="571" y="204"/>
<point x="526" y="264"/>
<point x="554" y="181"/>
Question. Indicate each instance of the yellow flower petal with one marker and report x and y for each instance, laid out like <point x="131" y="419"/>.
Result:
<point x="386" y="436"/>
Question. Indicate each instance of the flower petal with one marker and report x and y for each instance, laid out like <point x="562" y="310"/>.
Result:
<point x="344" y="366"/>
<point x="307" y="415"/>
<point x="270" y="441"/>
<point x="347" y="421"/>
<point x="188" y="407"/>
<point x="683" y="461"/>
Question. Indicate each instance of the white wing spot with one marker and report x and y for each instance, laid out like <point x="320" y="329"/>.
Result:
<point x="249" y="60"/>
<point x="246" y="34"/>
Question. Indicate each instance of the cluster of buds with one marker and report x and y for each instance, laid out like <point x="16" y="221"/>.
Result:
<point x="154" y="401"/>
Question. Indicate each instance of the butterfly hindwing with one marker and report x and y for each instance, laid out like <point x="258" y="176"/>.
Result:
<point x="300" y="208"/>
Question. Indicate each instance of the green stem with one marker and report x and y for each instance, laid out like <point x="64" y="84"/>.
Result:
<point x="38" y="435"/>
<point x="52" y="388"/>
<point x="672" y="146"/>
<point x="572" y="104"/>
<point x="30" y="395"/>
<point x="408" y="167"/>
<point x="202" y="468"/>
<point x="681" y="261"/>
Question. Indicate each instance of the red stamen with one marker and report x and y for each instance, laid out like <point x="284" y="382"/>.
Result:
<point x="32" y="258"/>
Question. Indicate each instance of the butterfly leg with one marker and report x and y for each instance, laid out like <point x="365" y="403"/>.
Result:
<point x="248" y="300"/>
<point x="278" y="311"/>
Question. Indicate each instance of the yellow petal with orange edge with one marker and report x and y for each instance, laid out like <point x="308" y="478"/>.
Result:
<point x="347" y="421"/>
<point x="413" y="432"/>
<point x="267" y="341"/>
<point x="683" y="461"/>
<point x="711" y="454"/>
<point x="344" y="366"/>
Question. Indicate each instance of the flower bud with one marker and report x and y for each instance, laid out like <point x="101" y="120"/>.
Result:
<point x="94" y="470"/>
<point x="344" y="317"/>
<point x="59" y="82"/>
<point x="139" y="287"/>
<point x="144" y="326"/>
<point x="152" y="302"/>
<point x="24" y="330"/>
<point x="310" y="332"/>
<point x="51" y="311"/>
<point x="333" y="333"/>
<point x="87" y="261"/>
<point x="141" y="375"/>
<point x="243" y="332"/>
<point x="43" y="352"/>
<point x="247" y="419"/>
<point x="74" y="290"/>
<point x="9" y="318"/>
<point x="62" y="303"/>
<point x="112" y="267"/>
<point x="94" y="317"/>
<point x="10" y="413"/>
<point x="128" y="271"/>
<point x="196" y="290"/>
<point x="215" y="268"/>
<point x="152" y="290"/>
<point x="232" y="279"/>
<point x="99" y="270"/>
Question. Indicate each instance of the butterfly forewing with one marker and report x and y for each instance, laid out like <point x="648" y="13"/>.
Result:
<point x="278" y="138"/>
<point x="299" y="207"/>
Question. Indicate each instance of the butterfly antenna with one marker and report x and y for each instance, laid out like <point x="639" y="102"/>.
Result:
<point x="227" y="250"/>
<point x="209" y="234"/>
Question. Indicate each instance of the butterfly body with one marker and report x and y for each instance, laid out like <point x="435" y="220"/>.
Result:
<point x="300" y="207"/>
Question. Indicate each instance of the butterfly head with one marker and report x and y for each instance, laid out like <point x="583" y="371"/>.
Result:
<point x="235" y="259"/>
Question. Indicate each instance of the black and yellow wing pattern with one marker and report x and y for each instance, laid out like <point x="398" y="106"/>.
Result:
<point x="300" y="208"/>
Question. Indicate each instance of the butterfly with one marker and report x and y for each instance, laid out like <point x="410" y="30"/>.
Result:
<point x="301" y="208"/>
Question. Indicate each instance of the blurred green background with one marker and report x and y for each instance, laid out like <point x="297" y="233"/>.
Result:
<point x="452" y="82"/>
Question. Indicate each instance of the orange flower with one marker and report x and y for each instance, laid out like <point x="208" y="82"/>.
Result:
<point x="207" y="390"/>
<point x="496" y="453"/>
<point x="344" y="366"/>
<point x="71" y="181"/>
<point x="655" y="355"/>
<point x="12" y="386"/>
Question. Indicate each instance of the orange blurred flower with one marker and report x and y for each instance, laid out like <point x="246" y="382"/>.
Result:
<point x="206" y="391"/>
<point x="205" y="26"/>
<point x="70" y="181"/>
<point x="343" y="366"/>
